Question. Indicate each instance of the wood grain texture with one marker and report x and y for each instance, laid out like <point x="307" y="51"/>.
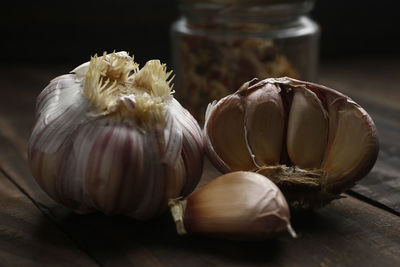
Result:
<point x="343" y="233"/>
<point x="348" y="232"/>
<point x="374" y="84"/>
<point x="29" y="238"/>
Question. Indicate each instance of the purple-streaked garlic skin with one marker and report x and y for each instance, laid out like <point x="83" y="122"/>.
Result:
<point x="327" y="142"/>
<point x="238" y="205"/>
<point x="108" y="162"/>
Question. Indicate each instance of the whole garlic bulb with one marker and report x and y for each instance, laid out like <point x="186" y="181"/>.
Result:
<point x="312" y="141"/>
<point x="110" y="137"/>
<point x="238" y="205"/>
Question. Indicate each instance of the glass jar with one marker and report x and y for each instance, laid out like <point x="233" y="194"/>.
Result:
<point x="217" y="45"/>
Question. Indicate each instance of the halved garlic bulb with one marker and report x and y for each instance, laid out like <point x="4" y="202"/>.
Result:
<point x="312" y="141"/>
<point x="238" y="205"/>
<point x="110" y="137"/>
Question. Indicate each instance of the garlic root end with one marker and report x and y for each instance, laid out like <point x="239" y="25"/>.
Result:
<point x="291" y="231"/>
<point x="177" y="209"/>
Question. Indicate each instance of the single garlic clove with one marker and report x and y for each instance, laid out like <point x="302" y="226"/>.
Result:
<point x="265" y="116"/>
<point x="192" y="147"/>
<point x="123" y="170"/>
<point x="353" y="146"/>
<point x="44" y="171"/>
<point x="227" y="138"/>
<point x="307" y="132"/>
<point x="238" y="205"/>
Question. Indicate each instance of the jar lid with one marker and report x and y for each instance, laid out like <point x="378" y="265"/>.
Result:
<point x="239" y="9"/>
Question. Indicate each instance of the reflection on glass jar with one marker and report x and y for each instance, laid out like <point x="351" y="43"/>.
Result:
<point x="220" y="44"/>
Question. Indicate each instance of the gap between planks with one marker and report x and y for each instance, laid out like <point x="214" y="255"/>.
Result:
<point x="47" y="213"/>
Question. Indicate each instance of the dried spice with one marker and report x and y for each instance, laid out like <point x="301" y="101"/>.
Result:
<point x="212" y="68"/>
<point x="218" y="45"/>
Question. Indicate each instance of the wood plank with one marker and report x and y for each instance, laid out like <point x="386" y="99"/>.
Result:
<point x="374" y="85"/>
<point x="29" y="238"/>
<point x="348" y="232"/>
<point x="377" y="93"/>
<point x="343" y="233"/>
<point x="20" y="87"/>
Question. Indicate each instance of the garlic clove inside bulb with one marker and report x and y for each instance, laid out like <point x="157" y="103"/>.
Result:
<point x="307" y="132"/>
<point x="110" y="137"/>
<point x="353" y="145"/>
<point x="228" y="135"/>
<point x="265" y="114"/>
<point x="238" y="205"/>
<point x="327" y="141"/>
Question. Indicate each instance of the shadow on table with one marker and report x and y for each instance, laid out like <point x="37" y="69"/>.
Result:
<point x="121" y="240"/>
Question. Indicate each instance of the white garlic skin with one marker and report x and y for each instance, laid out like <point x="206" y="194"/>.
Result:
<point x="312" y="141"/>
<point x="88" y="161"/>
<point x="238" y="205"/>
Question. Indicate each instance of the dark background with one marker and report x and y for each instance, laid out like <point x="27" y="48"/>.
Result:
<point x="68" y="32"/>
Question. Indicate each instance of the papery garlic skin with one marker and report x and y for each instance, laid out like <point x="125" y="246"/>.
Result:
<point x="312" y="141"/>
<point x="238" y="205"/>
<point x="110" y="137"/>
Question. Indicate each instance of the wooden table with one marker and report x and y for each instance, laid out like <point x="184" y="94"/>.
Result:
<point x="362" y="229"/>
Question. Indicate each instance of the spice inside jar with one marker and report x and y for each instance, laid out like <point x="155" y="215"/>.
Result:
<point x="218" y="45"/>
